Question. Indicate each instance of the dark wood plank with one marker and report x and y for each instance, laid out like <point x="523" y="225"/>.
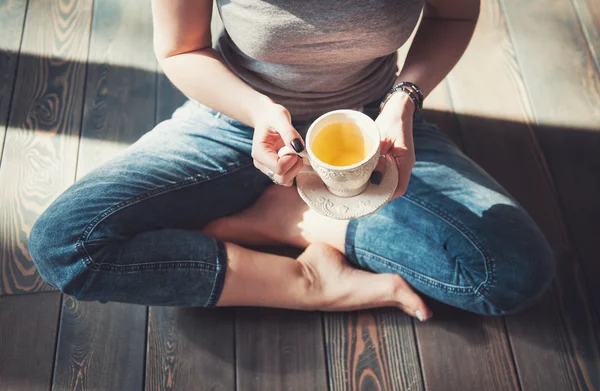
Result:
<point x="121" y="89"/>
<point x="12" y="16"/>
<point x="169" y="98"/>
<point x="102" y="346"/>
<point x="463" y="351"/>
<point x="460" y="351"/>
<point x="438" y="109"/>
<point x="190" y="349"/>
<point x="27" y="337"/>
<point x="372" y="350"/>
<point x="279" y="350"/>
<point x="554" y="344"/>
<point x="568" y="125"/>
<point x="41" y="146"/>
<point x="569" y="136"/>
<point x="377" y="350"/>
<point x="588" y="12"/>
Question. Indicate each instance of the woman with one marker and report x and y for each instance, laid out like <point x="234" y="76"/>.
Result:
<point x="162" y="223"/>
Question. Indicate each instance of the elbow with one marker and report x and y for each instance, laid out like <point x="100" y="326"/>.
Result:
<point x="163" y="53"/>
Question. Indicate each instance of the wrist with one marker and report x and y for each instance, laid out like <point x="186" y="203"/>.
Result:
<point x="258" y="108"/>
<point x="400" y="105"/>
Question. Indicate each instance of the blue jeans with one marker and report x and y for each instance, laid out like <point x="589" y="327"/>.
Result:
<point x="129" y="230"/>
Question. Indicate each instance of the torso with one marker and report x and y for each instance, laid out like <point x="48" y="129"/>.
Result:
<point x="315" y="56"/>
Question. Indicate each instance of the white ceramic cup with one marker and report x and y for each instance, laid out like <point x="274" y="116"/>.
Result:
<point x="342" y="181"/>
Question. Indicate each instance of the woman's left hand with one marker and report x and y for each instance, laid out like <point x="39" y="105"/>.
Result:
<point x="395" y="124"/>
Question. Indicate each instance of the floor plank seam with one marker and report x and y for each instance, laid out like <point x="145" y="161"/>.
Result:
<point x="14" y="83"/>
<point x="56" y="340"/>
<point x="235" y="358"/>
<point x="540" y="155"/>
<point x="146" y="347"/>
<point x="586" y="35"/>
<point x="418" y="349"/>
<point x="556" y="199"/>
<point x="513" y="360"/>
<point x="326" y="360"/>
<point x="157" y="75"/>
<point x="84" y="91"/>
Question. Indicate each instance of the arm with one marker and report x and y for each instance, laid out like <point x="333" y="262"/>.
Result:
<point x="441" y="39"/>
<point x="183" y="47"/>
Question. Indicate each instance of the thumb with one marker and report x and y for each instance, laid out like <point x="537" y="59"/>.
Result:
<point x="290" y="136"/>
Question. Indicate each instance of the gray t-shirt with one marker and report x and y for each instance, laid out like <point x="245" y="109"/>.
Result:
<point x="313" y="56"/>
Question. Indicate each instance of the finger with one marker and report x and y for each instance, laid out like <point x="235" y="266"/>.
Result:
<point x="379" y="171"/>
<point x="269" y="158"/>
<point x="405" y="165"/>
<point x="290" y="135"/>
<point x="409" y="301"/>
<point x="277" y="179"/>
<point x="288" y="178"/>
<point x="385" y="146"/>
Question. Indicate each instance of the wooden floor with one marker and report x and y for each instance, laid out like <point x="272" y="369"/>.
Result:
<point x="78" y="83"/>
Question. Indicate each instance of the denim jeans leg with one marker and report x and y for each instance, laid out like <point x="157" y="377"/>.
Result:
<point x="130" y="230"/>
<point x="456" y="235"/>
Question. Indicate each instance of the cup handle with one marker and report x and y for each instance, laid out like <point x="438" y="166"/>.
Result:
<point x="286" y="150"/>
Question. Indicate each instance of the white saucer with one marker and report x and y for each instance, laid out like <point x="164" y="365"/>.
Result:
<point x="315" y="194"/>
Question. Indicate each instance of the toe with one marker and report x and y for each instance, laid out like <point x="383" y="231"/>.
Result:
<point x="409" y="301"/>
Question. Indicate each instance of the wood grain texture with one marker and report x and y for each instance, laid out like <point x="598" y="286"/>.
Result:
<point x="588" y="12"/>
<point x="372" y="350"/>
<point x="27" y="337"/>
<point x="555" y="343"/>
<point x="12" y="17"/>
<point x="279" y="350"/>
<point x="439" y="109"/>
<point x="41" y="144"/>
<point x="169" y="98"/>
<point x="120" y="100"/>
<point x="460" y="351"/>
<point x="561" y="75"/>
<point x="569" y="131"/>
<point x="100" y="346"/>
<point x="569" y="136"/>
<point x="190" y="349"/>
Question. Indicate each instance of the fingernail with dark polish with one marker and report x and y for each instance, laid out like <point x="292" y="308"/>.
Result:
<point x="376" y="177"/>
<point x="297" y="145"/>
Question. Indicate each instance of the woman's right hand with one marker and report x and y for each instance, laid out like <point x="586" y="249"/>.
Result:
<point x="272" y="130"/>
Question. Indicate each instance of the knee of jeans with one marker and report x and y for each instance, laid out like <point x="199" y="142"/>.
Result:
<point x="54" y="250"/>
<point x="521" y="275"/>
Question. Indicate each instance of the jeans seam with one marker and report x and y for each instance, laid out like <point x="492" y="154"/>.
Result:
<point x="486" y="284"/>
<point x="425" y="279"/>
<point x="220" y="270"/>
<point x="89" y="262"/>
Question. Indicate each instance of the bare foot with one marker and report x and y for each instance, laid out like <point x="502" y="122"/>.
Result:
<point x="342" y="287"/>
<point x="279" y="216"/>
